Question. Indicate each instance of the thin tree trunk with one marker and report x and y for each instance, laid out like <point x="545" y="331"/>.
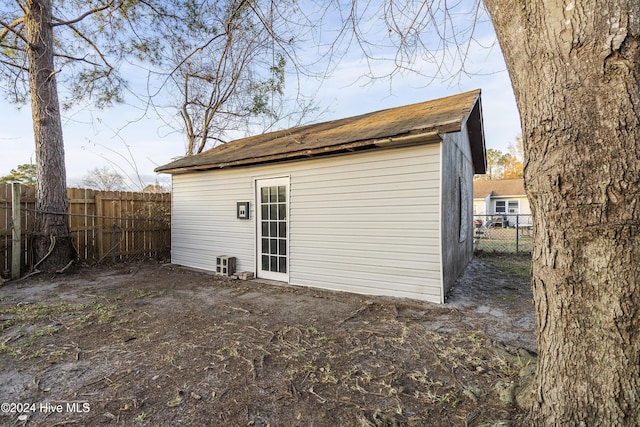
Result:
<point x="52" y="241"/>
<point x="575" y="72"/>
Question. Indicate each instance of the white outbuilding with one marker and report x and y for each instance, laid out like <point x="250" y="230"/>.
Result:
<point x="377" y="204"/>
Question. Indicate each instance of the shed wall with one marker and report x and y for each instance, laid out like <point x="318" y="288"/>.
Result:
<point x="364" y="222"/>
<point x="204" y="223"/>
<point x="457" y="206"/>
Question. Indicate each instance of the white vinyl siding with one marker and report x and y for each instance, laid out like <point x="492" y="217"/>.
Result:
<point x="204" y="223"/>
<point x="369" y="224"/>
<point x="365" y="222"/>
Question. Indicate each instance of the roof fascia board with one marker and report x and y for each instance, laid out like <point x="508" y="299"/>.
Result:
<point x="381" y="143"/>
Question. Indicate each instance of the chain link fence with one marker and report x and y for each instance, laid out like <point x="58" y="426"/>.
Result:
<point x="510" y="233"/>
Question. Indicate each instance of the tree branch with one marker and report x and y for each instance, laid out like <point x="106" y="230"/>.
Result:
<point x="188" y="57"/>
<point x="93" y="45"/>
<point x="59" y="22"/>
<point x="84" y="59"/>
<point x="10" y="28"/>
<point x="10" y="64"/>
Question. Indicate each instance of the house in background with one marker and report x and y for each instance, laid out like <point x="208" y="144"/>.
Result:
<point x="502" y="198"/>
<point x="375" y="204"/>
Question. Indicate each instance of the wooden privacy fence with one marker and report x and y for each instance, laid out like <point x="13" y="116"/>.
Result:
<point x="107" y="226"/>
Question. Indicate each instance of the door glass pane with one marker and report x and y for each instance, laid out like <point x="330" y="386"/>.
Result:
<point x="273" y="229"/>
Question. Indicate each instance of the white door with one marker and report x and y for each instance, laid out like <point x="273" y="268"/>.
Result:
<point x="272" y="196"/>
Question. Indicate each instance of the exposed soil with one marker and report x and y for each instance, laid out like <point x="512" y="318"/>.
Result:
<point x="160" y="345"/>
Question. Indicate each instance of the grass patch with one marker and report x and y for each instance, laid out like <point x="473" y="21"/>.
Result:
<point x="105" y="313"/>
<point x="139" y="293"/>
<point x="54" y="356"/>
<point x="141" y="417"/>
<point x="29" y="326"/>
<point x="510" y="264"/>
<point x="6" y="349"/>
<point x="47" y="330"/>
<point x="30" y="313"/>
<point x="38" y="353"/>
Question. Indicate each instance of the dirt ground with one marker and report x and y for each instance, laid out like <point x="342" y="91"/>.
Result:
<point x="158" y="345"/>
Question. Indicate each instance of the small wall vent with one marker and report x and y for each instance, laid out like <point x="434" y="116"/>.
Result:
<point x="225" y="265"/>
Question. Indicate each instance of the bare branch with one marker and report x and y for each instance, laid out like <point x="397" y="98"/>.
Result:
<point x="59" y="22"/>
<point x="10" y="64"/>
<point x="78" y="59"/>
<point x="11" y="28"/>
<point x="186" y="117"/>
<point x="92" y="44"/>
<point x="186" y="59"/>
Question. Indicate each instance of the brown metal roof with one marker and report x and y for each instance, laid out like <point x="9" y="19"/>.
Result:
<point x="411" y="124"/>
<point x="498" y="188"/>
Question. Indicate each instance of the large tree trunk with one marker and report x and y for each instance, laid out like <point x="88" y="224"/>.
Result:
<point x="52" y="241"/>
<point x="575" y="72"/>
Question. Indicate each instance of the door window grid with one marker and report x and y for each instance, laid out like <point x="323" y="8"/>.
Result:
<point x="273" y="205"/>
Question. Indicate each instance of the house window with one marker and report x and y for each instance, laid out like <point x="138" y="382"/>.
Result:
<point x="507" y="206"/>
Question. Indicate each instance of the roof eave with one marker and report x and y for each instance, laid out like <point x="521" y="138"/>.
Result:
<point x="380" y="143"/>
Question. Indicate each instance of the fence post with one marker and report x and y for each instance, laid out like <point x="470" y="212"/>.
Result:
<point x="16" y="231"/>
<point x="517" y="231"/>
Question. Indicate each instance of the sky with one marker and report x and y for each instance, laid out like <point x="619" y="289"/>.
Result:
<point x="124" y="139"/>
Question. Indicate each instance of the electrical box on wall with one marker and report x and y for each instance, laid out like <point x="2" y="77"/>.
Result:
<point x="242" y="210"/>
